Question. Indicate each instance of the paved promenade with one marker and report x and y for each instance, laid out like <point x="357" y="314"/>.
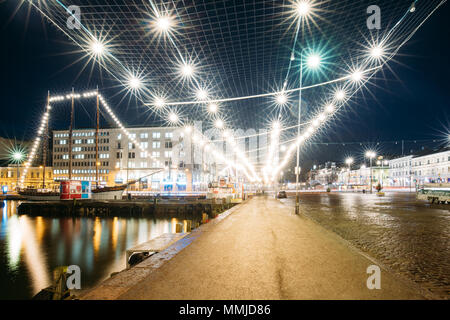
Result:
<point x="263" y="251"/>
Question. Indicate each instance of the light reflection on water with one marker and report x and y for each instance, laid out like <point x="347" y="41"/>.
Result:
<point x="31" y="247"/>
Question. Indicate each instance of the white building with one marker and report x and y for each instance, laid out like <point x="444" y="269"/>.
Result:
<point x="400" y="170"/>
<point x="183" y="163"/>
<point x="431" y="167"/>
<point x="361" y="176"/>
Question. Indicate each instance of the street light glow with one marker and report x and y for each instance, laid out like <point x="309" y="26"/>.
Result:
<point x="329" y="108"/>
<point x="219" y="124"/>
<point x="213" y="108"/>
<point x="339" y="94"/>
<point x="313" y="61"/>
<point x="371" y="154"/>
<point x="97" y="48"/>
<point x="164" y="23"/>
<point x="173" y="117"/>
<point x="18" y="156"/>
<point x="201" y="94"/>
<point x="159" y="102"/>
<point x="134" y="82"/>
<point x="376" y="52"/>
<point x="349" y="161"/>
<point x="357" y="76"/>
<point x="303" y="8"/>
<point x="281" y="99"/>
<point x="187" y="70"/>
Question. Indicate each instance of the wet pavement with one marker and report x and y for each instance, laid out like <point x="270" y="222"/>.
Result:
<point x="260" y="251"/>
<point x="410" y="237"/>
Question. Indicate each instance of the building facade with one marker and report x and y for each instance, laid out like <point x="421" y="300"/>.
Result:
<point x="167" y="158"/>
<point x="431" y="167"/>
<point x="9" y="177"/>
<point x="324" y="174"/>
<point x="400" y="172"/>
<point x="361" y="176"/>
<point x="163" y="161"/>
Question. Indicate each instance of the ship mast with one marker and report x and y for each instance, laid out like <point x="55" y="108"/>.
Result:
<point x="46" y="137"/>
<point x="70" y="136"/>
<point x="96" y="141"/>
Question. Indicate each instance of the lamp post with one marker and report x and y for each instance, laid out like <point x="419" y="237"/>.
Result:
<point x="349" y="162"/>
<point x="302" y="11"/>
<point x="313" y="62"/>
<point x="370" y="155"/>
<point x="17" y="157"/>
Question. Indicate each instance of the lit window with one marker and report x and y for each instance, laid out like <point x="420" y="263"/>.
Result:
<point x="156" y="135"/>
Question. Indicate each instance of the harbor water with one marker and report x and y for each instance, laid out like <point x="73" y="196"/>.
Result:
<point x="31" y="247"/>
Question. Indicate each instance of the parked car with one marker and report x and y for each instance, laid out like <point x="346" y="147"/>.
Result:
<point x="282" y="195"/>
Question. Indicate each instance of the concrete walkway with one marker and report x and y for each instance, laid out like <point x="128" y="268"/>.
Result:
<point x="264" y="251"/>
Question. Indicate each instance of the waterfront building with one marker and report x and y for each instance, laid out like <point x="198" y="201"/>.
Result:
<point x="431" y="166"/>
<point x="165" y="159"/>
<point x="361" y="175"/>
<point x="325" y="174"/>
<point x="400" y="170"/>
<point x="177" y="163"/>
<point x="34" y="179"/>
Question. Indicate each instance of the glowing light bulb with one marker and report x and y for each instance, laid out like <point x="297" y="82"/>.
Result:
<point x="134" y="82"/>
<point x="159" y="102"/>
<point x="201" y="94"/>
<point x="219" y="124"/>
<point x="340" y="94"/>
<point x="322" y="117"/>
<point x="173" y="117"/>
<point x="187" y="70"/>
<point x="281" y="99"/>
<point x="329" y="108"/>
<point x="164" y="23"/>
<point x="357" y="76"/>
<point x="303" y="8"/>
<point x="213" y="108"/>
<point x="313" y="61"/>
<point x="376" y="52"/>
<point x="97" y="48"/>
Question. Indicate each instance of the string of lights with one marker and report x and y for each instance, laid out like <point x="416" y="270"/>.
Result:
<point x="167" y="27"/>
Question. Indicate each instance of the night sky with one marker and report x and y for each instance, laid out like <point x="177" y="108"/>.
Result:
<point x="34" y="59"/>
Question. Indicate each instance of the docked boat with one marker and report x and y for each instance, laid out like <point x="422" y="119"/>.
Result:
<point x="108" y="193"/>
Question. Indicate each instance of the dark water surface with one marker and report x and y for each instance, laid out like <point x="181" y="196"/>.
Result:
<point x="31" y="247"/>
<point x="409" y="236"/>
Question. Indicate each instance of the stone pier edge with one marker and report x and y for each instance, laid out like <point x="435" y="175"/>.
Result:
<point x="115" y="286"/>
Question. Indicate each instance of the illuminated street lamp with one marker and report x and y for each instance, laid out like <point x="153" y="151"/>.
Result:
<point x="370" y="155"/>
<point x="164" y="23"/>
<point x="313" y="62"/>
<point x="376" y="52"/>
<point x="281" y="99"/>
<point x="134" y="83"/>
<point x="17" y="158"/>
<point x="173" y="118"/>
<point x="219" y="124"/>
<point x="213" y="108"/>
<point x="97" y="48"/>
<point x="303" y="8"/>
<point x="201" y="94"/>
